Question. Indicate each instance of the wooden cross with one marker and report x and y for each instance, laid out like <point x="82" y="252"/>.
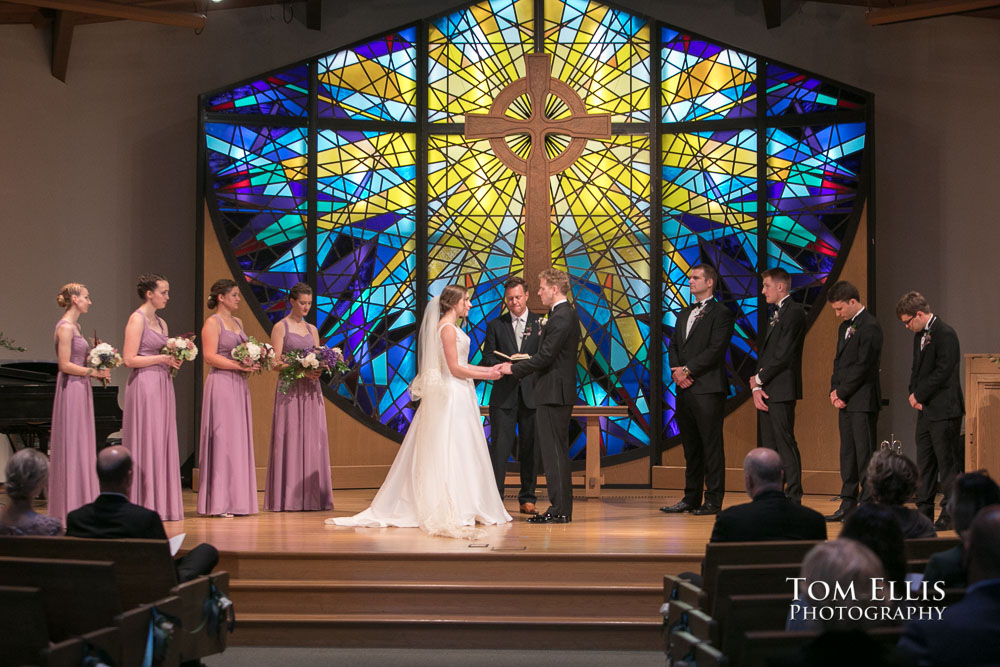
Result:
<point x="538" y="167"/>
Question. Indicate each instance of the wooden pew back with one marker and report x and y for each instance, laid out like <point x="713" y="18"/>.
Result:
<point x="144" y="569"/>
<point x="25" y="630"/>
<point x="78" y="596"/>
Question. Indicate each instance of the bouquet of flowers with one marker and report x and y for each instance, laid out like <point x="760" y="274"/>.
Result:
<point x="254" y="353"/>
<point x="298" y="363"/>
<point x="103" y="356"/>
<point x="181" y="347"/>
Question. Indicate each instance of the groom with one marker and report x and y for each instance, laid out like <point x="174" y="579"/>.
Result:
<point x="554" y="368"/>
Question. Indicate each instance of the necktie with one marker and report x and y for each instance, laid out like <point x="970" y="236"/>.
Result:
<point x="518" y="331"/>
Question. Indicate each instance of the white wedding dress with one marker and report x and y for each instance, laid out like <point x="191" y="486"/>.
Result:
<point x="442" y="480"/>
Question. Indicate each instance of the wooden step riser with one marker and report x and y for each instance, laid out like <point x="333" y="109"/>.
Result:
<point x="609" y="571"/>
<point x="447" y="634"/>
<point x="573" y="603"/>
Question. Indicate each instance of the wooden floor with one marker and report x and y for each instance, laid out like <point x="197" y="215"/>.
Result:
<point x="622" y="521"/>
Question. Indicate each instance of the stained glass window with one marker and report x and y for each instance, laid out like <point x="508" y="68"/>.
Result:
<point x="717" y="155"/>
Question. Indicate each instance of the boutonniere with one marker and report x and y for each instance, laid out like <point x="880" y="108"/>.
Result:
<point x="925" y="340"/>
<point x="774" y="319"/>
<point x="542" y="321"/>
<point x="850" y="331"/>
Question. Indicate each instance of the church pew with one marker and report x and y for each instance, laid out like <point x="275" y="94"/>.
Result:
<point x="759" y="646"/>
<point x="739" y="614"/>
<point x="718" y="554"/>
<point x="25" y="629"/>
<point x="676" y="588"/>
<point x="706" y="655"/>
<point x="751" y="580"/>
<point x="145" y="572"/>
<point x="681" y="647"/>
<point x="143" y="569"/>
<point x="78" y="596"/>
<point x="71" y="652"/>
<point x="922" y="548"/>
<point x="134" y="625"/>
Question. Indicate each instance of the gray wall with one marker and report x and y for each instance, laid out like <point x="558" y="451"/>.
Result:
<point x="97" y="176"/>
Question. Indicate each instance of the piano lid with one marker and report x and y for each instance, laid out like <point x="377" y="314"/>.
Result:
<point x="28" y="372"/>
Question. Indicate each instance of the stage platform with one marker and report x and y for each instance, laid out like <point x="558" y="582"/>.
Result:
<point x="594" y="583"/>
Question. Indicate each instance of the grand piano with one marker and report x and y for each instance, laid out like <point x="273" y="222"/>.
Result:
<point x="27" y="391"/>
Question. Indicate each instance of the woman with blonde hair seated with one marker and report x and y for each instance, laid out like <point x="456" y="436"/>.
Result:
<point x="27" y="474"/>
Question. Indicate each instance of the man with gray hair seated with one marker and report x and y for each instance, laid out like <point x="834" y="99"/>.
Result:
<point x="771" y="515"/>
<point x="112" y="516"/>
<point x="27" y="475"/>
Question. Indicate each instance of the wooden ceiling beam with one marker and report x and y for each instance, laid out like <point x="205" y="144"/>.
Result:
<point x="772" y="13"/>
<point x="62" y="39"/>
<point x="927" y="10"/>
<point x="314" y="14"/>
<point x="128" y="12"/>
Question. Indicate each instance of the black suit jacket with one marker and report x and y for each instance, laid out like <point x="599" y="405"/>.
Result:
<point x="856" y="366"/>
<point x="781" y="356"/>
<point x="112" y="516"/>
<point x="500" y="338"/>
<point x="704" y="350"/>
<point x="770" y="516"/>
<point x="554" y="365"/>
<point x="934" y="378"/>
<point x="964" y="636"/>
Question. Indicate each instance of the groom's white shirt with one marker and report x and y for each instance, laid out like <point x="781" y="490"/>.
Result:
<point x="553" y="306"/>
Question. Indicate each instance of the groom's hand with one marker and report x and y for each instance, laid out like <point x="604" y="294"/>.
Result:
<point x="505" y="368"/>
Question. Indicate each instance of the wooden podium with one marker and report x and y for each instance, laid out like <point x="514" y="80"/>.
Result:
<point x="982" y="414"/>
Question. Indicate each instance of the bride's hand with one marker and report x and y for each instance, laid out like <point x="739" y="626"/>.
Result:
<point x="493" y="373"/>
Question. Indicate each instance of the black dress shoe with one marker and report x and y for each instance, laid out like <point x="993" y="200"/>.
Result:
<point x="677" y="508"/>
<point x="943" y="522"/>
<point x="840" y="514"/>
<point x="706" y="509"/>
<point x="549" y="518"/>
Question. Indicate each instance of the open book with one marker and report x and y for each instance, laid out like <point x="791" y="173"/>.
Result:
<point x="520" y="356"/>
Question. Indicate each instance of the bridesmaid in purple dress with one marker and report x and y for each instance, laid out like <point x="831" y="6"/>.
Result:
<point x="225" y="456"/>
<point x="72" y="471"/>
<point x="298" y="470"/>
<point x="149" y="427"/>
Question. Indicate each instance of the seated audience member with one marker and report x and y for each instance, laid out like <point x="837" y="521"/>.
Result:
<point x="770" y="515"/>
<point x="112" y="516"/>
<point x="27" y="474"/>
<point x="842" y="640"/>
<point x="968" y="631"/>
<point x="892" y="479"/>
<point x="877" y="527"/>
<point x="969" y="494"/>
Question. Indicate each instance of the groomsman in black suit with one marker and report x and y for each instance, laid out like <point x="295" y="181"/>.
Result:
<point x="512" y="402"/>
<point x="697" y="353"/>
<point x="554" y="369"/>
<point x="936" y="394"/>
<point x="854" y="391"/>
<point x="778" y="384"/>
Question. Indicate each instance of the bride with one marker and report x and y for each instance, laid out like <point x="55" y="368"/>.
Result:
<point x="442" y="479"/>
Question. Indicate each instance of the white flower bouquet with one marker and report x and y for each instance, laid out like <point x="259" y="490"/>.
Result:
<point x="256" y="356"/>
<point x="103" y="356"/>
<point x="181" y="347"/>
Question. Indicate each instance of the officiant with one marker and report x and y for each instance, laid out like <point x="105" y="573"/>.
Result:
<point x="512" y="404"/>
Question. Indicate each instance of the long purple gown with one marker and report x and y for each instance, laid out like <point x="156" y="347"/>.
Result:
<point x="73" y="467"/>
<point x="225" y="456"/>
<point x="298" y="469"/>
<point x="149" y="430"/>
